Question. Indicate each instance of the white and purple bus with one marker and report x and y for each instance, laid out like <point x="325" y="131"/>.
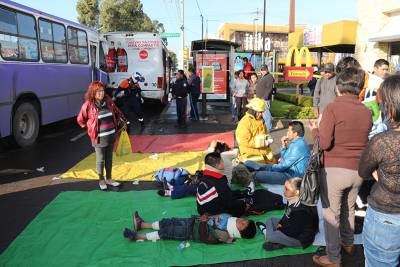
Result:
<point x="46" y="65"/>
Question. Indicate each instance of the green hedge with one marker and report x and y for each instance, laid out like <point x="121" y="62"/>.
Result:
<point x="290" y="98"/>
<point x="282" y="109"/>
<point x="304" y="101"/>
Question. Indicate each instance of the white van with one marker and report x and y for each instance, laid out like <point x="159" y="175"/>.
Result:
<point x="139" y="54"/>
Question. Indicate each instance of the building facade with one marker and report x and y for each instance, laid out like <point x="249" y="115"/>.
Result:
<point x="378" y="34"/>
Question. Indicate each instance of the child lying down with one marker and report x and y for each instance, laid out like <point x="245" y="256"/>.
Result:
<point x="222" y="228"/>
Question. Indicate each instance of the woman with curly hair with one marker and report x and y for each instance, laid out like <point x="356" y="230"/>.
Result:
<point x="102" y="119"/>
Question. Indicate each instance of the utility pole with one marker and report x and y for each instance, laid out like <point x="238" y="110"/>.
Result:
<point x="263" y="49"/>
<point x="292" y="16"/>
<point x="182" y="28"/>
<point x="203" y="95"/>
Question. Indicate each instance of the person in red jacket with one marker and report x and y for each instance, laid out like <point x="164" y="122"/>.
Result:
<point x="247" y="68"/>
<point x="102" y="119"/>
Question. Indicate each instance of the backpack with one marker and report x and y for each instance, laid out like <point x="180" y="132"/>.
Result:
<point x="174" y="176"/>
<point x="309" y="189"/>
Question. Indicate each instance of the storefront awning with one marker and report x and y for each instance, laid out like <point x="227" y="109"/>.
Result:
<point x="385" y="38"/>
<point x="338" y="37"/>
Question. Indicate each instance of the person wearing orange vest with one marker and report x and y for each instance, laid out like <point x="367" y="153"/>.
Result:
<point x="128" y="98"/>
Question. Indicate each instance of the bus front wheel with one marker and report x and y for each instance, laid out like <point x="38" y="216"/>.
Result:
<point x="26" y="124"/>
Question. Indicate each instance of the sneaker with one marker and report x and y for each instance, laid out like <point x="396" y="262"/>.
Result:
<point x="128" y="233"/>
<point x="137" y="221"/>
<point x="103" y="185"/>
<point x="112" y="182"/>
<point x="268" y="246"/>
<point x="261" y="226"/>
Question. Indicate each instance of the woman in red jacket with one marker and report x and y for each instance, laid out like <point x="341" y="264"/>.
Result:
<point x="101" y="117"/>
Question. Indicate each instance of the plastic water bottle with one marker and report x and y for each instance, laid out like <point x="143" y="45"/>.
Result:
<point x="169" y="97"/>
<point x="183" y="245"/>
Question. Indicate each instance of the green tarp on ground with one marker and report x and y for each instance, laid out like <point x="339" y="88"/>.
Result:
<point x="85" y="229"/>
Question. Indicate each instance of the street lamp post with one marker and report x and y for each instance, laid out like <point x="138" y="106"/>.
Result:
<point x="263" y="49"/>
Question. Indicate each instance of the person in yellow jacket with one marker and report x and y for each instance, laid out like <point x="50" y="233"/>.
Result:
<point x="252" y="136"/>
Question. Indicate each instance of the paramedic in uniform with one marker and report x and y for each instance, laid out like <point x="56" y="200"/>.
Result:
<point x="128" y="98"/>
<point x="180" y="91"/>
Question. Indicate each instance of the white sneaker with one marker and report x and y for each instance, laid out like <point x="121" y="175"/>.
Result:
<point x="103" y="185"/>
<point x="112" y="182"/>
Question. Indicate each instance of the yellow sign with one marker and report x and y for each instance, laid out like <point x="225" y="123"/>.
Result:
<point x="299" y="73"/>
<point x="298" y="55"/>
<point x="207" y="79"/>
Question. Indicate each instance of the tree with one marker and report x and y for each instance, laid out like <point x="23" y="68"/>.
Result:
<point x="174" y="61"/>
<point x="125" y="15"/>
<point x="88" y="12"/>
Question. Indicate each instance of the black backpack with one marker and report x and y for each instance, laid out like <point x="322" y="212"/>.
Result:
<point x="309" y="189"/>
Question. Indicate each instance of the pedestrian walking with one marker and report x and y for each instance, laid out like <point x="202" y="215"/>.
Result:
<point x="380" y="160"/>
<point x="180" y="90"/>
<point x="343" y="135"/>
<point x="194" y="85"/>
<point x="264" y="90"/>
<point x="240" y="86"/>
<point x="102" y="119"/>
<point x="251" y="90"/>
<point x="325" y="89"/>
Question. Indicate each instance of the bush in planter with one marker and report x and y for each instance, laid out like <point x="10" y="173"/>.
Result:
<point x="301" y="113"/>
<point x="286" y="97"/>
<point x="305" y="101"/>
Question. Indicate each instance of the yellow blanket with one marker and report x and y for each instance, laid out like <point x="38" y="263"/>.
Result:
<point x="140" y="166"/>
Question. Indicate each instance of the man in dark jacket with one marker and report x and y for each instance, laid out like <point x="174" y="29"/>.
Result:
<point x="194" y="85"/>
<point x="213" y="193"/>
<point x="180" y="90"/>
<point x="264" y="90"/>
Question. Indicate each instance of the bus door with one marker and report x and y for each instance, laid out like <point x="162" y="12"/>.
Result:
<point x="97" y="63"/>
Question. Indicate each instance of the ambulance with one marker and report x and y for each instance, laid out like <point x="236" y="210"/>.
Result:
<point x="141" y="55"/>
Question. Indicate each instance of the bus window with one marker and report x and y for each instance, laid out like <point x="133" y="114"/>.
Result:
<point x="18" y="38"/>
<point x="52" y="41"/>
<point x="77" y="46"/>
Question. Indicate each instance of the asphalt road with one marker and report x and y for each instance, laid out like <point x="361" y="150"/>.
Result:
<point x="60" y="146"/>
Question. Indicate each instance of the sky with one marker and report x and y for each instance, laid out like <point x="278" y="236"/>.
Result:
<point x="216" y="12"/>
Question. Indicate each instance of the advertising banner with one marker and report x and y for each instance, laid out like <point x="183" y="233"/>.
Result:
<point x="207" y="75"/>
<point x="219" y="78"/>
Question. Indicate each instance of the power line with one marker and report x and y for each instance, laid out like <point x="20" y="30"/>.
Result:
<point x="198" y="6"/>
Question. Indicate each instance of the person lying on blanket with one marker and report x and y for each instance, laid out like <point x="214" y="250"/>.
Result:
<point x="181" y="190"/>
<point x="298" y="226"/>
<point x="222" y="228"/>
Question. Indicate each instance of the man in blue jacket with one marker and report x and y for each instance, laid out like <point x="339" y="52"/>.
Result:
<point x="295" y="154"/>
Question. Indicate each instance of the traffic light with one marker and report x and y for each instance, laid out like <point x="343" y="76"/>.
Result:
<point x="186" y="53"/>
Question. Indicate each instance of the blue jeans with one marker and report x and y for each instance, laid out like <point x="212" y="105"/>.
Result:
<point x="267" y="116"/>
<point x="264" y="176"/>
<point x="194" y="113"/>
<point x="381" y="236"/>
<point x="181" y="191"/>
<point x="176" y="229"/>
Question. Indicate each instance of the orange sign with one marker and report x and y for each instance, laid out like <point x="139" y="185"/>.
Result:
<point x="298" y="73"/>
